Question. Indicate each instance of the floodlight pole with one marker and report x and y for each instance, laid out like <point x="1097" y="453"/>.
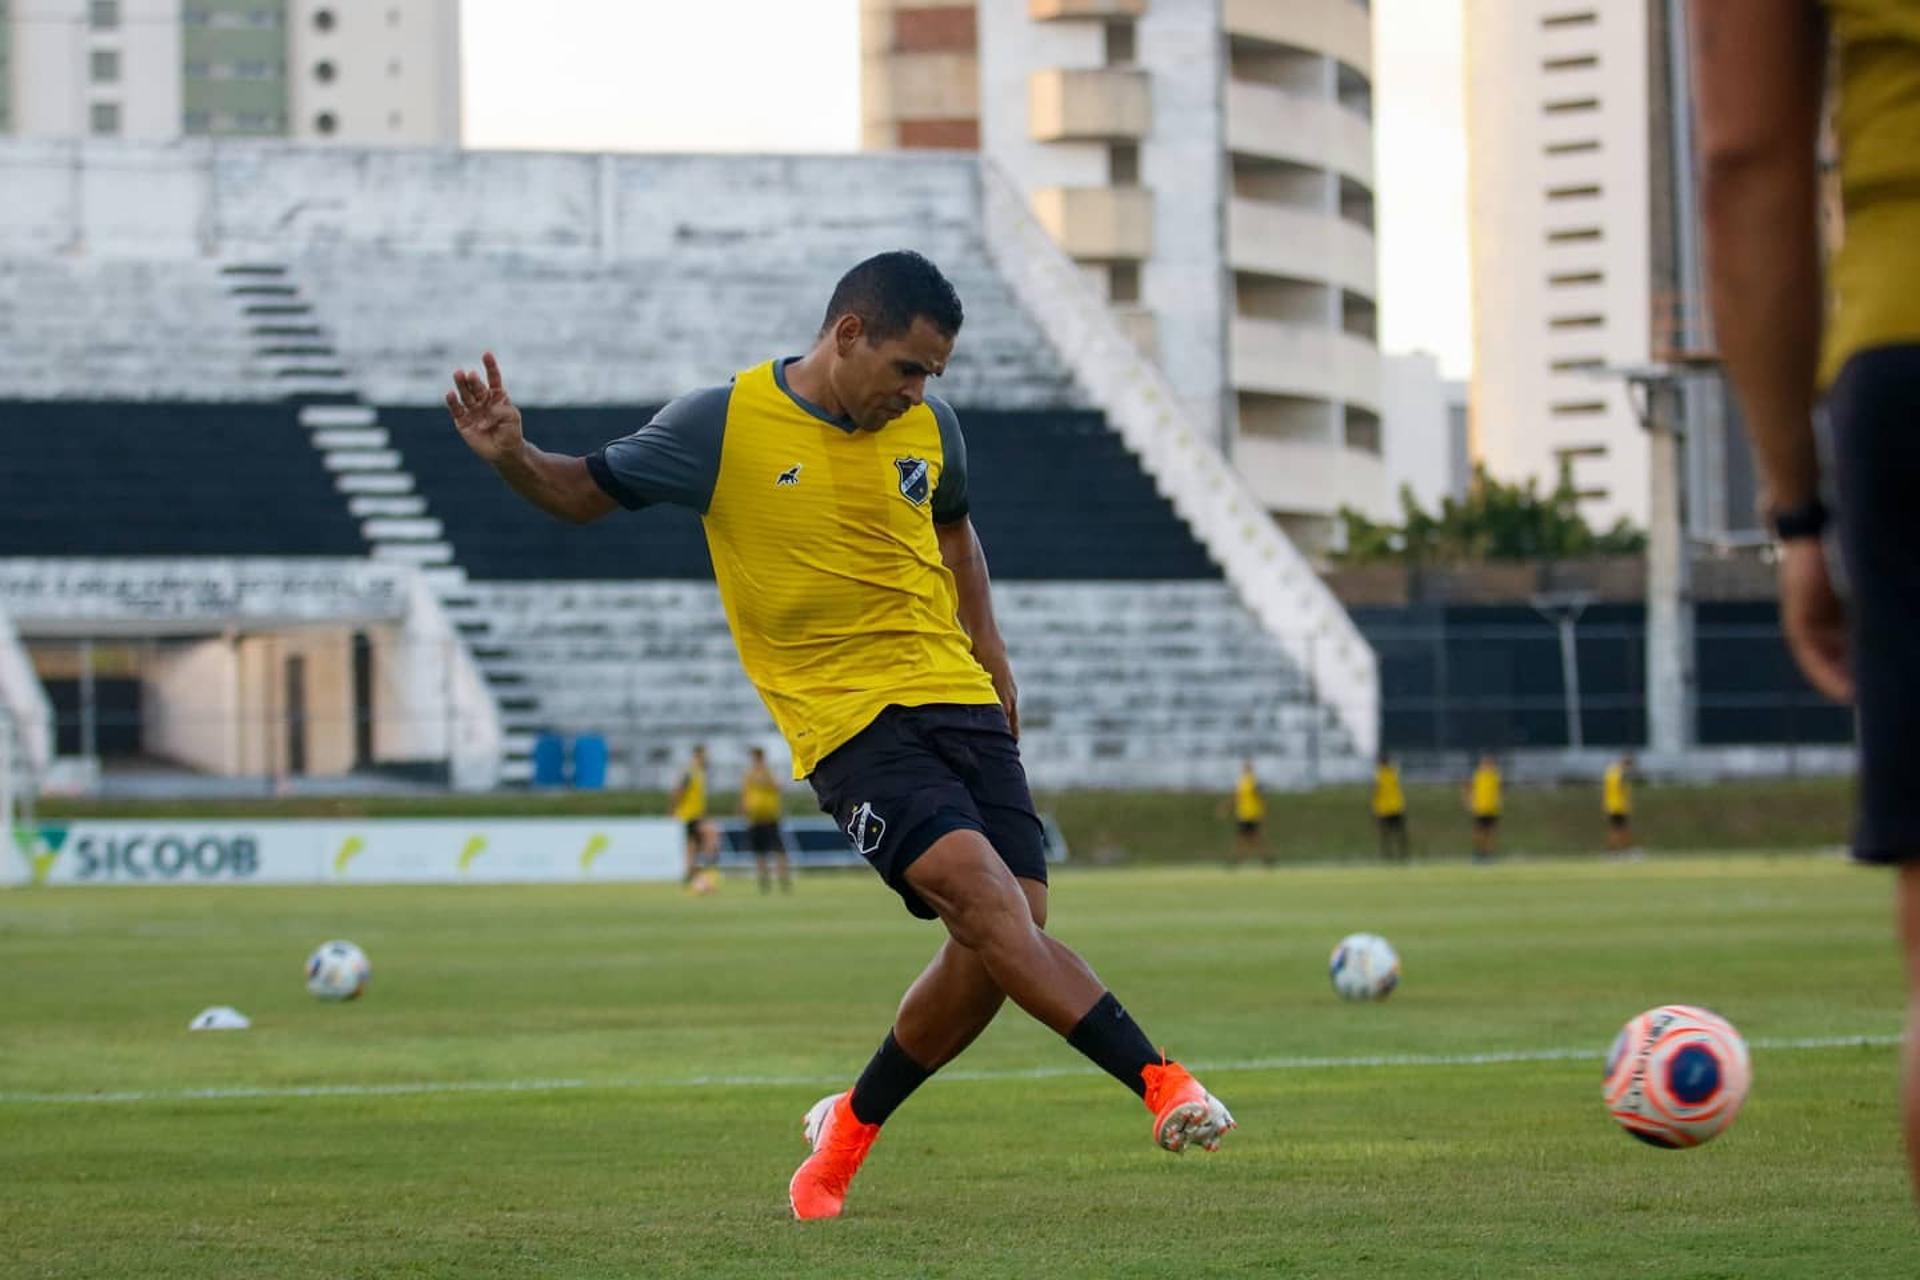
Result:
<point x="1564" y="612"/>
<point x="1669" y="645"/>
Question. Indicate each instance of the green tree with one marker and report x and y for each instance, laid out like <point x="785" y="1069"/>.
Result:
<point x="1496" y="521"/>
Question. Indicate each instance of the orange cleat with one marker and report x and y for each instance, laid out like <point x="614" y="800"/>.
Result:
<point x="1183" y="1112"/>
<point x="840" y="1142"/>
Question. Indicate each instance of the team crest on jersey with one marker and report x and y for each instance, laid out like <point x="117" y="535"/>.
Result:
<point x="913" y="479"/>
<point x="865" y="828"/>
<point x="789" y="477"/>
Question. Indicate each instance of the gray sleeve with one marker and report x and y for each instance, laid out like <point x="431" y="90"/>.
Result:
<point x="674" y="459"/>
<point x="950" y="495"/>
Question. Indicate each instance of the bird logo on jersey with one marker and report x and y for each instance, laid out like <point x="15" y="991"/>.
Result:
<point x="913" y="479"/>
<point x="789" y="477"/>
<point x="864" y="828"/>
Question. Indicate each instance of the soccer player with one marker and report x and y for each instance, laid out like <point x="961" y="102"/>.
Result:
<point x="1390" y="809"/>
<point x="760" y="802"/>
<point x="834" y="497"/>
<point x="1758" y="70"/>
<point x="1483" y="802"/>
<point x="1249" y="812"/>
<point x="688" y="804"/>
<point x="1616" y="798"/>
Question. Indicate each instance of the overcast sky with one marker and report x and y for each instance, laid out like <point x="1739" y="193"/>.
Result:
<point x="784" y="75"/>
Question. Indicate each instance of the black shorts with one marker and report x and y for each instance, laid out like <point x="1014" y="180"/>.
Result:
<point x="1877" y="447"/>
<point x="1618" y="821"/>
<point x="693" y="829"/>
<point x="1248" y="828"/>
<point x="1392" y="821"/>
<point x="917" y="773"/>
<point x="1485" y="821"/>
<point x="763" y="838"/>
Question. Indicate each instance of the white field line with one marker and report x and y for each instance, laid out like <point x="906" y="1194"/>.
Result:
<point x="561" y="1085"/>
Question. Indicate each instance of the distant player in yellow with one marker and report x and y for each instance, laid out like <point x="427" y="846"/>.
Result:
<point x="1390" y="808"/>
<point x="1483" y="802"/>
<point x="1616" y="797"/>
<point x="688" y="805"/>
<point x="760" y="803"/>
<point x="1249" y="816"/>
<point x="833" y="491"/>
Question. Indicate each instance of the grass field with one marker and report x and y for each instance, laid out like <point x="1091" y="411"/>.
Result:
<point x="607" y="1081"/>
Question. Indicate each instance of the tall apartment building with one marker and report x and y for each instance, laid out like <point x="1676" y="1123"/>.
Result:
<point x="359" y="72"/>
<point x="1586" y="254"/>
<point x="1209" y="163"/>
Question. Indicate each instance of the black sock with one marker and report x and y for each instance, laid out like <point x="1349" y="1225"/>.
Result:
<point x="886" y="1083"/>
<point x="1116" y="1044"/>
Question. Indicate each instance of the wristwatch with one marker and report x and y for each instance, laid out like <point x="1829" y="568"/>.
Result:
<point x="1808" y="520"/>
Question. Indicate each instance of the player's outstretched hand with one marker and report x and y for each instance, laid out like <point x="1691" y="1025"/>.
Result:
<point x="1814" y="618"/>
<point x="484" y="414"/>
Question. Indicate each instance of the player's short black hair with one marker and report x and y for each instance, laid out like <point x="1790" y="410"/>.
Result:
<point x="889" y="290"/>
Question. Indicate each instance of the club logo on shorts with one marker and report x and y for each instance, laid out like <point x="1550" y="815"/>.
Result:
<point x="789" y="477"/>
<point x="913" y="479"/>
<point x="865" y="828"/>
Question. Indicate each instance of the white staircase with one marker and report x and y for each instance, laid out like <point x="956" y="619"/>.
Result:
<point x="1271" y="578"/>
<point x="305" y="364"/>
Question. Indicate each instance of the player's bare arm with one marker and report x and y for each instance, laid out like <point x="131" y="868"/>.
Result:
<point x="490" y="423"/>
<point x="1757" y="75"/>
<point x="960" y="550"/>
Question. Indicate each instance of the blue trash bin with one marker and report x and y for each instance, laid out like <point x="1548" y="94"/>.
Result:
<point x="590" y="762"/>
<point x="549" y="761"/>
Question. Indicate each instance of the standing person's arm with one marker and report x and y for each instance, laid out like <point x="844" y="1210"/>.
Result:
<point x="1757" y="82"/>
<point x="490" y="423"/>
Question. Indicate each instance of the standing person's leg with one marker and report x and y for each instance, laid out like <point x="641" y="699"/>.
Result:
<point x="1878" y="452"/>
<point x="1384" y="827"/>
<point x="1908" y="891"/>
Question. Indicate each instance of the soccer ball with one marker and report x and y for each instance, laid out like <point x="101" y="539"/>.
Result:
<point x="1676" y="1076"/>
<point x="337" y="971"/>
<point x="1364" y="967"/>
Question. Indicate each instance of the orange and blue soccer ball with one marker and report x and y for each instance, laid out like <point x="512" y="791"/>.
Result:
<point x="1676" y="1076"/>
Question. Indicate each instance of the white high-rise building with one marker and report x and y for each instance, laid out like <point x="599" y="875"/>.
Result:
<point x="1560" y="213"/>
<point x="1209" y="163"/>
<point x="357" y="72"/>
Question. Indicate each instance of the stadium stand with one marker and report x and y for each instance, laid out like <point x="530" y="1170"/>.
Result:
<point x="332" y="292"/>
<point x="132" y="478"/>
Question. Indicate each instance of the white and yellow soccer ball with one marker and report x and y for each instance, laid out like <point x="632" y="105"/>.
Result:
<point x="1676" y="1076"/>
<point x="1364" y="967"/>
<point x="337" y="970"/>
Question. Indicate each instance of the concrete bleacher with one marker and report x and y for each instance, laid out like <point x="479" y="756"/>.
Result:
<point x="608" y="285"/>
<point x="166" y="478"/>
<point x="78" y="327"/>
<point x="1054" y="495"/>
<point x="1122" y="683"/>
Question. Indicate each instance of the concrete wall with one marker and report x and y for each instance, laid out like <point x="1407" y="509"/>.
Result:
<point x="190" y="705"/>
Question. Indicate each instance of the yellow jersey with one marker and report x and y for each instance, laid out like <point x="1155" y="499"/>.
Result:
<point x="1874" y="277"/>
<point x="1389" y="801"/>
<point x="823" y="545"/>
<point x="693" y="794"/>
<point x="1484" y="793"/>
<point x="1615" y="792"/>
<point x="1248" y="806"/>
<point x="760" y="797"/>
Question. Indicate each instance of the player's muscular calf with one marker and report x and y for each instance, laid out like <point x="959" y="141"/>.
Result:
<point x="984" y="910"/>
